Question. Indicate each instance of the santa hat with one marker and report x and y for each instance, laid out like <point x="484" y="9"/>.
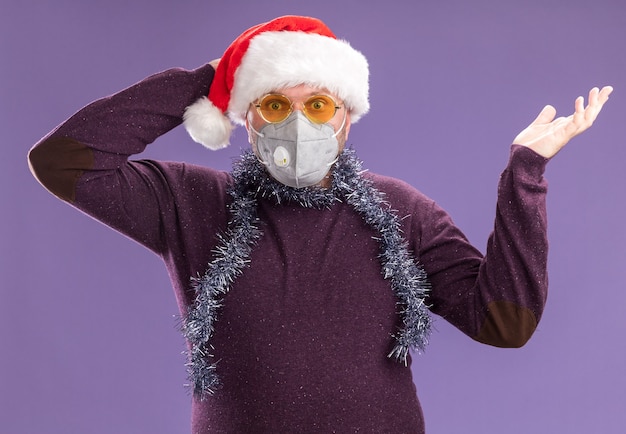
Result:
<point x="285" y="52"/>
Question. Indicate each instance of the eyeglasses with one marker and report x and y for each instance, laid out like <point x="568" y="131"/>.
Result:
<point x="274" y="108"/>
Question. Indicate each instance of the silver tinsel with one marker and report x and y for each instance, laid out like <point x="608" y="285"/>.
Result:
<point x="407" y="278"/>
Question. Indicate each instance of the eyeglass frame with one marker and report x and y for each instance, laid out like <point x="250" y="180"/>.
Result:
<point x="257" y="106"/>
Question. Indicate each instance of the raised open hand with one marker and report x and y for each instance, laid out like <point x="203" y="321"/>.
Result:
<point x="547" y="135"/>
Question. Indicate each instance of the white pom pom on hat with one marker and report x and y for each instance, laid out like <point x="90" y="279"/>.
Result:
<point x="285" y="52"/>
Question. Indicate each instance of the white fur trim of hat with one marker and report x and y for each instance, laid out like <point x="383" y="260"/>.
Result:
<point x="282" y="53"/>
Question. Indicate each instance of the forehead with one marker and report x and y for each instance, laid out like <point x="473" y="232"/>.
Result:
<point x="303" y="91"/>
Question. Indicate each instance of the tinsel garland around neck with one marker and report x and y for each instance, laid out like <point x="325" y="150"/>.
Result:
<point x="251" y="182"/>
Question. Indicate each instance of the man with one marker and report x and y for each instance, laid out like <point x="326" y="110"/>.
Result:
<point x="302" y="280"/>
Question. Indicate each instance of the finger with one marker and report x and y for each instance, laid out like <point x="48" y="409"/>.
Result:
<point x="215" y="62"/>
<point x="593" y="96"/>
<point x="580" y="112"/>
<point x="597" y="98"/>
<point x="591" y="110"/>
<point x="604" y="94"/>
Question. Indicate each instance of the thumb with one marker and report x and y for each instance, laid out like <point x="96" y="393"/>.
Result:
<point x="546" y="115"/>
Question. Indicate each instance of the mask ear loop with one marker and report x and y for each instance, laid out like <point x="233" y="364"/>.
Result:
<point x="265" y="163"/>
<point x="250" y="125"/>
<point x="343" y="123"/>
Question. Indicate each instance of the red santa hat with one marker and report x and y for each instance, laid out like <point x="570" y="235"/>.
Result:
<point x="285" y="52"/>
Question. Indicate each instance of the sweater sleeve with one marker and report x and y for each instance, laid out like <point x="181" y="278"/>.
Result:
<point x="85" y="160"/>
<point x="497" y="298"/>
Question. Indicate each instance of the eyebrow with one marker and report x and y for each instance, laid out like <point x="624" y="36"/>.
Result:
<point x="321" y="91"/>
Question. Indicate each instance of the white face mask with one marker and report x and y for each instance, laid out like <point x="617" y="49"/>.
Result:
<point x="297" y="152"/>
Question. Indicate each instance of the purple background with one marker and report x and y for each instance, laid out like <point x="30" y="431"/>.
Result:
<point x="88" y="339"/>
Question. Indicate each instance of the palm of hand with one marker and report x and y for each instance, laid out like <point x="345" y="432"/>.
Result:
<point x="547" y="135"/>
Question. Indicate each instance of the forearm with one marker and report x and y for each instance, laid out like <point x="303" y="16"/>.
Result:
<point x="85" y="160"/>
<point x="513" y="277"/>
<point x="496" y="299"/>
<point x="105" y="133"/>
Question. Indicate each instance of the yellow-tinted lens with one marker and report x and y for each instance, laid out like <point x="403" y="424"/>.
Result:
<point x="320" y="108"/>
<point x="274" y="108"/>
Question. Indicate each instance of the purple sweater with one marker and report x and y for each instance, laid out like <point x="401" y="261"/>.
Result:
<point x="303" y="336"/>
